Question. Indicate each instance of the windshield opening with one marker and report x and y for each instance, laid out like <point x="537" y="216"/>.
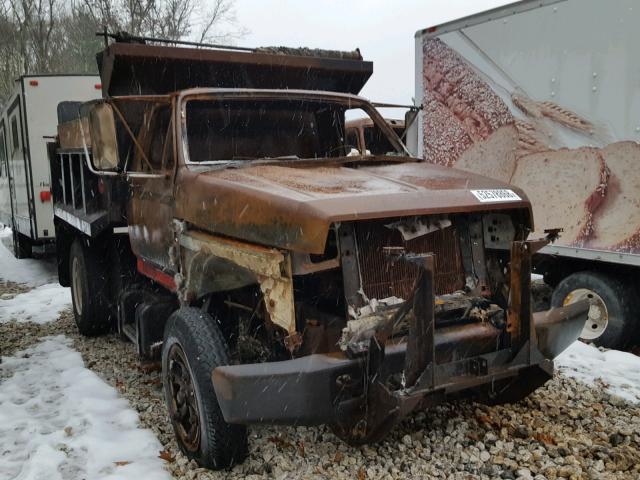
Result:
<point x="250" y="129"/>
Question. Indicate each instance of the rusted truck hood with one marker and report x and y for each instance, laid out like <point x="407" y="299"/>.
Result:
<point x="292" y="207"/>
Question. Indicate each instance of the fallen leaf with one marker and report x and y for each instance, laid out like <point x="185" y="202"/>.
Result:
<point x="301" y="448"/>
<point x="166" y="456"/>
<point x="362" y="475"/>
<point x="148" y="367"/>
<point x="487" y="420"/>
<point x="68" y="431"/>
<point x="281" y="442"/>
<point x="338" y="458"/>
<point x="122" y="463"/>
<point x="473" y="436"/>
<point x="544" y="438"/>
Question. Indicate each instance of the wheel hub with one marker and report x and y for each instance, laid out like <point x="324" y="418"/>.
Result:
<point x="183" y="405"/>
<point x="598" y="317"/>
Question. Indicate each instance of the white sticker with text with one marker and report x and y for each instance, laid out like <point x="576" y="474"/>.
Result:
<point x="496" y="195"/>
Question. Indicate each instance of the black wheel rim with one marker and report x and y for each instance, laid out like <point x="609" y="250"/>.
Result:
<point x="183" y="404"/>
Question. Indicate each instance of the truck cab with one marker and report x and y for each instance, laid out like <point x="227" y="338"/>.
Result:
<point x="282" y="277"/>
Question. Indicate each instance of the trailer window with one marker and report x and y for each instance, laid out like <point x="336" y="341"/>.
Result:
<point x="15" y="137"/>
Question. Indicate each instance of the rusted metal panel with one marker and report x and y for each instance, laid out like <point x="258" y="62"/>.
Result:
<point x="130" y="68"/>
<point x="350" y="263"/>
<point x="268" y="267"/>
<point x="260" y="260"/>
<point x="420" y="360"/>
<point x="292" y="207"/>
<point x="476" y="237"/>
<point x="519" y="312"/>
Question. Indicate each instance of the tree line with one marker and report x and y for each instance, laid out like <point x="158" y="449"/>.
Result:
<point x="59" y="36"/>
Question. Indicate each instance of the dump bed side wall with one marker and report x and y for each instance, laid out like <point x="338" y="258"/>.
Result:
<point x="575" y="65"/>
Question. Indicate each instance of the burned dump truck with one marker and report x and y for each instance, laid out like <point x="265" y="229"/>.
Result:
<point x="211" y="208"/>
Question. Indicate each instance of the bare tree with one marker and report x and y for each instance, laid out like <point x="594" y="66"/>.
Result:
<point x="55" y="36"/>
<point x="172" y="19"/>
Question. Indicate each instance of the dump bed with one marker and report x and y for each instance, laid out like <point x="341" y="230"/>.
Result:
<point x="134" y="68"/>
<point x="544" y="95"/>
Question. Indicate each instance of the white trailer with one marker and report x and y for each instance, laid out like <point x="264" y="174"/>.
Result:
<point x="545" y="95"/>
<point x="26" y="124"/>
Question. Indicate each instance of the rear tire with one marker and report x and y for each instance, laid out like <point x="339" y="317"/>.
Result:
<point x="89" y="290"/>
<point x="612" y="317"/>
<point x="193" y="346"/>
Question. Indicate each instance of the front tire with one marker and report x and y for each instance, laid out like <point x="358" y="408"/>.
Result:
<point x="612" y="313"/>
<point x="193" y="346"/>
<point x="89" y="291"/>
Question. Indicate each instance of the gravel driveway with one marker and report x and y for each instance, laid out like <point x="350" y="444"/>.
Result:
<point x="564" y="430"/>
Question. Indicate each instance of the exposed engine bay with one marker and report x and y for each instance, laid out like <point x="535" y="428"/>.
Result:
<point x="378" y="275"/>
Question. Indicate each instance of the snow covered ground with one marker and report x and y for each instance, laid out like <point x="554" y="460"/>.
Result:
<point x="45" y="301"/>
<point x="59" y="420"/>
<point x="40" y="305"/>
<point x="33" y="272"/>
<point x="618" y="372"/>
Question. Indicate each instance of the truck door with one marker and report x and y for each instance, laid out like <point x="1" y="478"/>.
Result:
<point x="151" y="207"/>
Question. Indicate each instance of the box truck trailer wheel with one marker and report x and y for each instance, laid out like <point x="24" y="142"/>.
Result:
<point x="613" y="309"/>
<point x="89" y="289"/>
<point x="193" y="347"/>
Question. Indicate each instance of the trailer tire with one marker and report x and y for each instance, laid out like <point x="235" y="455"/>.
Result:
<point x="611" y="318"/>
<point x="193" y="346"/>
<point x="22" y="247"/>
<point x="89" y="290"/>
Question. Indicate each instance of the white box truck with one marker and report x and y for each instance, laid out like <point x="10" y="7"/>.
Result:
<point x="545" y="95"/>
<point x="27" y="122"/>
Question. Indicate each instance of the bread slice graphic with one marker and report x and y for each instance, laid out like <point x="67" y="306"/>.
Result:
<point x="617" y="221"/>
<point x="566" y="188"/>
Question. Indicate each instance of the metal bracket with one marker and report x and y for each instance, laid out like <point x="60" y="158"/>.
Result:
<point x="421" y="340"/>
<point x="350" y="267"/>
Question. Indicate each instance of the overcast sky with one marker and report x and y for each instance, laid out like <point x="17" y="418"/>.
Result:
<point x="383" y="30"/>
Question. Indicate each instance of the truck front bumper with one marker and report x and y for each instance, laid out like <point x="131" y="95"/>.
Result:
<point x="368" y="390"/>
<point x="328" y="388"/>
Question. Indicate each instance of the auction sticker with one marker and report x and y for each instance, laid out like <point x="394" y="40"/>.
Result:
<point x="496" y="195"/>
